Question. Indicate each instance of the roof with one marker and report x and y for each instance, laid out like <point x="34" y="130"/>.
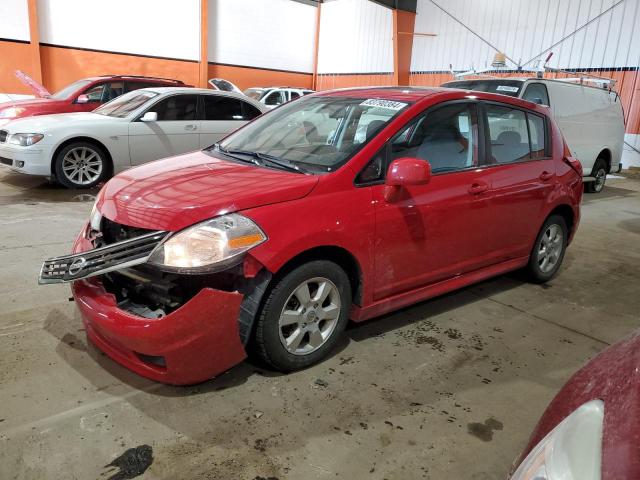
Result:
<point x="410" y="94"/>
<point x="138" y="77"/>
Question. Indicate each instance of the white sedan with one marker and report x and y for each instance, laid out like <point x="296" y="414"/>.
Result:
<point x="81" y="150"/>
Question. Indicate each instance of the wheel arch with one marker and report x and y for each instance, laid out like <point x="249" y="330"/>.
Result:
<point x="86" y="139"/>
<point x="565" y="211"/>
<point x="606" y="155"/>
<point x="339" y="255"/>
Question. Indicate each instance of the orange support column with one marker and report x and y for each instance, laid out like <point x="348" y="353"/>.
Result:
<point x="204" y="44"/>
<point x="34" y="33"/>
<point x="316" y="47"/>
<point x="403" y="31"/>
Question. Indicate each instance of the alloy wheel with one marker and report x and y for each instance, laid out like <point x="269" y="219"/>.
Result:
<point x="82" y="166"/>
<point x="309" y="316"/>
<point x="550" y="248"/>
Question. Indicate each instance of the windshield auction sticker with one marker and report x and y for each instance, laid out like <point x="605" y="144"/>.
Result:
<point x="375" y="102"/>
<point x="506" y="88"/>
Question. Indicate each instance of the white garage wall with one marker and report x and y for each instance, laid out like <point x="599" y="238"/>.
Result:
<point x="509" y="26"/>
<point x="356" y="36"/>
<point x="14" y="20"/>
<point x="276" y="34"/>
<point x="162" y="28"/>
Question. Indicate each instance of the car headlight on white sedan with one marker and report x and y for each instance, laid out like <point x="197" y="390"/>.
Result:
<point x="209" y="246"/>
<point x="25" y="139"/>
<point x="571" y="451"/>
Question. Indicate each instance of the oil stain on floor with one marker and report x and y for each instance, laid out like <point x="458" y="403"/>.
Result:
<point x="132" y="463"/>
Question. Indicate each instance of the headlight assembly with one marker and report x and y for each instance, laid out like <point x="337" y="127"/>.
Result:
<point x="25" y="139"/>
<point x="571" y="451"/>
<point x="209" y="246"/>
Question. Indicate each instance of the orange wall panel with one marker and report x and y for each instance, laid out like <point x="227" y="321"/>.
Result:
<point x="14" y="56"/>
<point x="61" y="66"/>
<point x="245" y="77"/>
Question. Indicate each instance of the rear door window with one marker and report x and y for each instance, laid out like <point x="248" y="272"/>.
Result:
<point x="176" y="108"/>
<point x="536" y="93"/>
<point x="510" y="140"/>
<point x="226" y="108"/>
<point x="222" y="108"/>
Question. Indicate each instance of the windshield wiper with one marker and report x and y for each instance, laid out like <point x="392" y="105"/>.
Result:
<point x="262" y="159"/>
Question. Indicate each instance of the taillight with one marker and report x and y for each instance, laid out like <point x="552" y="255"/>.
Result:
<point x="573" y="163"/>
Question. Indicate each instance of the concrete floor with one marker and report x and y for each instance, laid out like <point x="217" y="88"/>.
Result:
<point x="449" y="388"/>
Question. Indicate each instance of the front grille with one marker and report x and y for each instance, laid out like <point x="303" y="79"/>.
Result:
<point x="6" y="161"/>
<point x="116" y="232"/>
<point x="115" y="256"/>
<point x="3" y="136"/>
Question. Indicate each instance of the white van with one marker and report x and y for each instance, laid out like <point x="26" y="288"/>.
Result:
<point x="590" y="117"/>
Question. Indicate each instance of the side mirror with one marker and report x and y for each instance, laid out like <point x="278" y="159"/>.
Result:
<point x="404" y="172"/>
<point x="82" y="99"/>
<point x="149" y="117"/>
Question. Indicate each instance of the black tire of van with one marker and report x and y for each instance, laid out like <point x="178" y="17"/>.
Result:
<point x="600" y="172"/>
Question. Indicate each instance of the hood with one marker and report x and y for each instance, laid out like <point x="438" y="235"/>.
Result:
<point x="29" y="104"/>
<point x="177" y="192"/>
<point x="44" y="123"/>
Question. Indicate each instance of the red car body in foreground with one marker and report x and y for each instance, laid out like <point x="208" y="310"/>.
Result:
<point x="328" y="240"/>
<point x="80" y="96"/>
<point x="611" y="378"/>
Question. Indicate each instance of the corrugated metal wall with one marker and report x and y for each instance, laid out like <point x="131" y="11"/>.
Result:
<point x="595" y="36"/>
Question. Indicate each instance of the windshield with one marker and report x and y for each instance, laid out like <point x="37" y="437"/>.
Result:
<point x="318" y="134"/>
<point x="69" y="90"/>
<point x="122" y="106"/>
<point x="255" y="93"/>
<point x="505" y="87"/>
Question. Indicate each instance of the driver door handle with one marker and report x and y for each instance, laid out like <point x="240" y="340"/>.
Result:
<point x="478" y="187"/>
<point x="190" y="127"/>
<point x="544" y="176"/>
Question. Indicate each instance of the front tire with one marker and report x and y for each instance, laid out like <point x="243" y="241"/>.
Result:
<point x="81" y="165"/>
<point x="600" y="172"/>
<point x="548" y="251"/>
<point x="303" y="316"/>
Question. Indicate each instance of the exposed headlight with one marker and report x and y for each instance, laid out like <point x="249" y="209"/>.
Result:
<point x="25" y="139"/>
<point x="208" y="246"/>
<point x="571" y="451"/>
<point x="95" y="219"/>
<point x="11" y="112"/>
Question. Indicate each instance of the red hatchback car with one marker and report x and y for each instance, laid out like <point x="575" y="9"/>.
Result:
<point x="341" y="205"/>
<point x="80" y="96"/>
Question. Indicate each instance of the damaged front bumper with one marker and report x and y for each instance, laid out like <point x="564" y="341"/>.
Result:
<point x="192" y="344"/>
<point x="189" y="344"/>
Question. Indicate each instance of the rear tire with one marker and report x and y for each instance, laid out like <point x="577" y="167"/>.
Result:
<point x="600" y="172"/>
<point x="548" y="250"/>
<point x="81" y="165"/>
<point x="303" y="316"/>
